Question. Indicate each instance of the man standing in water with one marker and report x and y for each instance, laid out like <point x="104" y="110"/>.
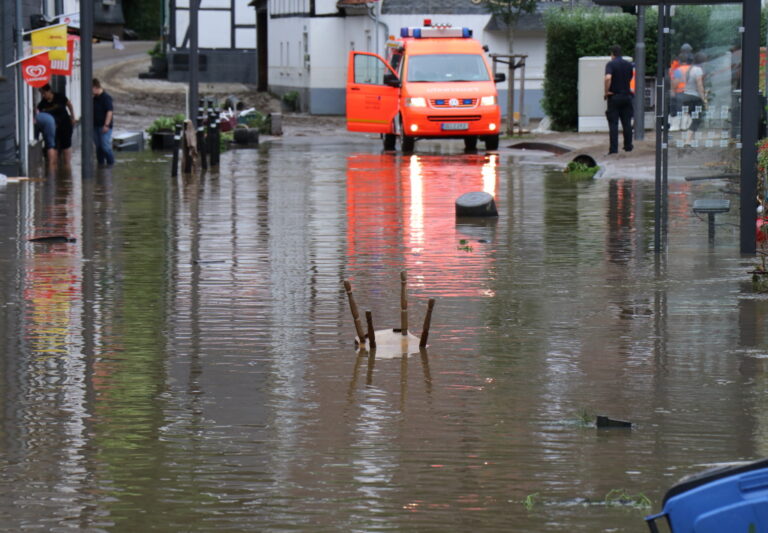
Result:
<point x="102" y="125"/>
<point x="618" y="94"/>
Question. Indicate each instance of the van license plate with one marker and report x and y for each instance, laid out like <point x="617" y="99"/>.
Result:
<point x="455" y="126"/>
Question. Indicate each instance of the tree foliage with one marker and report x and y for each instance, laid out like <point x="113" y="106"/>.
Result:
<point x="509" y="12"/>
<point x="144" y="17"/>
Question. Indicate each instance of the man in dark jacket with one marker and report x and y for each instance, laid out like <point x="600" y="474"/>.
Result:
<point x="619" y="96"/>
<point x="102" y="124"/>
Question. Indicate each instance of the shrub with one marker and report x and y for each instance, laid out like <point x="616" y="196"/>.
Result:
<point x="258" y="121"/>
<point x="157" y="51"/>
<point x="166" y="123"/>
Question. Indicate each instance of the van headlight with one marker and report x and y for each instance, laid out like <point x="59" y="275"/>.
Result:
<point x="488" y="100"/>
<point x="416" y="102"/>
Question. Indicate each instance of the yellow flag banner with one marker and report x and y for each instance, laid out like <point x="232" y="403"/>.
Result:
<point x="53" y="39"/>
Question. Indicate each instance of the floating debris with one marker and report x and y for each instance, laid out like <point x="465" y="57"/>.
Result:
<point x="53" y="239"/>
<point x="389" y="343"/>
<point x="605" y="422"/>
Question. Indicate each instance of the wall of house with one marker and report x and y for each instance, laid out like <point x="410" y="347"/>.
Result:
<point x="226" y="39"/>
<point x="9" y="156"/>
<point x="289" y="68"/>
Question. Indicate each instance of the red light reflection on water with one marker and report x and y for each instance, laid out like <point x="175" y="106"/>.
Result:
<point x="401" y="211"/>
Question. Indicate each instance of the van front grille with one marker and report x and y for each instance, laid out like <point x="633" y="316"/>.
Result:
<point x="453" y="118"/>
<point x="445" y="103"/>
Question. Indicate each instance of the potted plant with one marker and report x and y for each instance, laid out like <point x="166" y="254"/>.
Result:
<point x="290" y="101"/>
<point x="161" y="132"/>
<point x="159" y="65"/>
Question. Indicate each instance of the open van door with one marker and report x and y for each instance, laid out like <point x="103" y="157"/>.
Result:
<point x="373" y="92"/>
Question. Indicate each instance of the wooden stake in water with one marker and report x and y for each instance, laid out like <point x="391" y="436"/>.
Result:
<point x="427" y="322"/>
<point x="403" y="303"/>
<point x="371" y="334"/>
<point x="355" y="314"/>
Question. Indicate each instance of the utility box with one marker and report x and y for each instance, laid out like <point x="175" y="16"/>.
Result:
<point x="591" y="89"/>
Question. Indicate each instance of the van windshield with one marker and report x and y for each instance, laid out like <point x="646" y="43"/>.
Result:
<point x="447" y="67"/>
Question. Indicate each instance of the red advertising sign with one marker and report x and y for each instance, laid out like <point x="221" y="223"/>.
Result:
<point x="63" y="67"/>
<point x="36" y="70"/>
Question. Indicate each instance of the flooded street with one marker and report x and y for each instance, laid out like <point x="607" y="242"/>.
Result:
<point x="188" y="363"/>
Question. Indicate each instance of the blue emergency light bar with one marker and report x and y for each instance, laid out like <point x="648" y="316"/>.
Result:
<point x="429" y="32"/>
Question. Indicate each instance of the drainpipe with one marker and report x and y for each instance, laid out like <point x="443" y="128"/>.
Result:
<point x="374" y="14"/>
<point x="21" y="92"/>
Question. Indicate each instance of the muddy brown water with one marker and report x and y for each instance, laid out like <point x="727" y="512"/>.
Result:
<point x="187" y="363"/>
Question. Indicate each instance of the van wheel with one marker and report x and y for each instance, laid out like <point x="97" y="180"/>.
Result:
<point x="389" y="141"/>
<point x="470" y="143"/>
<point x="492" y="142"/>
<point x="407" y="144"/>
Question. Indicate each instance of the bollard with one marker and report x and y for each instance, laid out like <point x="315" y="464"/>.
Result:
<point x="355" y="314"/>
<point x="210" y="138"/>
<point x="275" y="124"/>
<point x="215" y="142"/>
<point x="371" y="333"/>
<point x="201" y="143"/>
<point x="403" y="304"/>
<point x="427" y="322"/>
<point x="176" y="146"/>
<point x="476" y="204"/>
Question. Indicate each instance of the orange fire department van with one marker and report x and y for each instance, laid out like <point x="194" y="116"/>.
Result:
<point x="436" y="84"/>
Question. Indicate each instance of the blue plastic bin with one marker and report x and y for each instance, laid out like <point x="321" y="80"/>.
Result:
<point x="721" y="500"/>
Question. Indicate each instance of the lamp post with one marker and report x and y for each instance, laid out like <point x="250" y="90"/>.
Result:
<point x="21" y="92"/>
<point x="86" y="87"/>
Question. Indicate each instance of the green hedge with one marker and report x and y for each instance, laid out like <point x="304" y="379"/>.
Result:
<point x="574" y="33"/>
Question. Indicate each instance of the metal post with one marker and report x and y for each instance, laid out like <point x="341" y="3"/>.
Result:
<point x="750" y="113"/>
<point x="522" y="95"/>
<point x="21" y="110"/>
<point x="665" y="55"/>
<point x="640" y="75"/>
<point x="511" y="97"/>
<point x="660" y="124"/>
<point x="86" y="87"/>
<point x="194" y="73"/>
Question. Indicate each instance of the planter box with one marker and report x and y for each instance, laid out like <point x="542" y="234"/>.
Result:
<point x="246" y="136"/>
<point x="161" y="140"/>
<point x="159" y="66"/>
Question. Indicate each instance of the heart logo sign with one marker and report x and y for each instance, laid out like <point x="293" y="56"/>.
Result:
<point x="36" y="70"/>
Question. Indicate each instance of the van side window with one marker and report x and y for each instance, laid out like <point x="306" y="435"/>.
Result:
<point x="395" y="61"/>
<point x="369" y="70"/>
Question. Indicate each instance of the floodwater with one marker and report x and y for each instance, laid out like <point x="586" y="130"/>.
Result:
<point x="188" y="363"/>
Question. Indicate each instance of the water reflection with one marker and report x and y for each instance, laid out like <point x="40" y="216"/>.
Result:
<point x="409" y="202"/>
<point x="190" y="357"/>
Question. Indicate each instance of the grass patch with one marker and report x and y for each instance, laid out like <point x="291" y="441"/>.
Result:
<point x="576" y="169"/>
<point x="625" y="499"/>
<point x="464" y="246"/>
